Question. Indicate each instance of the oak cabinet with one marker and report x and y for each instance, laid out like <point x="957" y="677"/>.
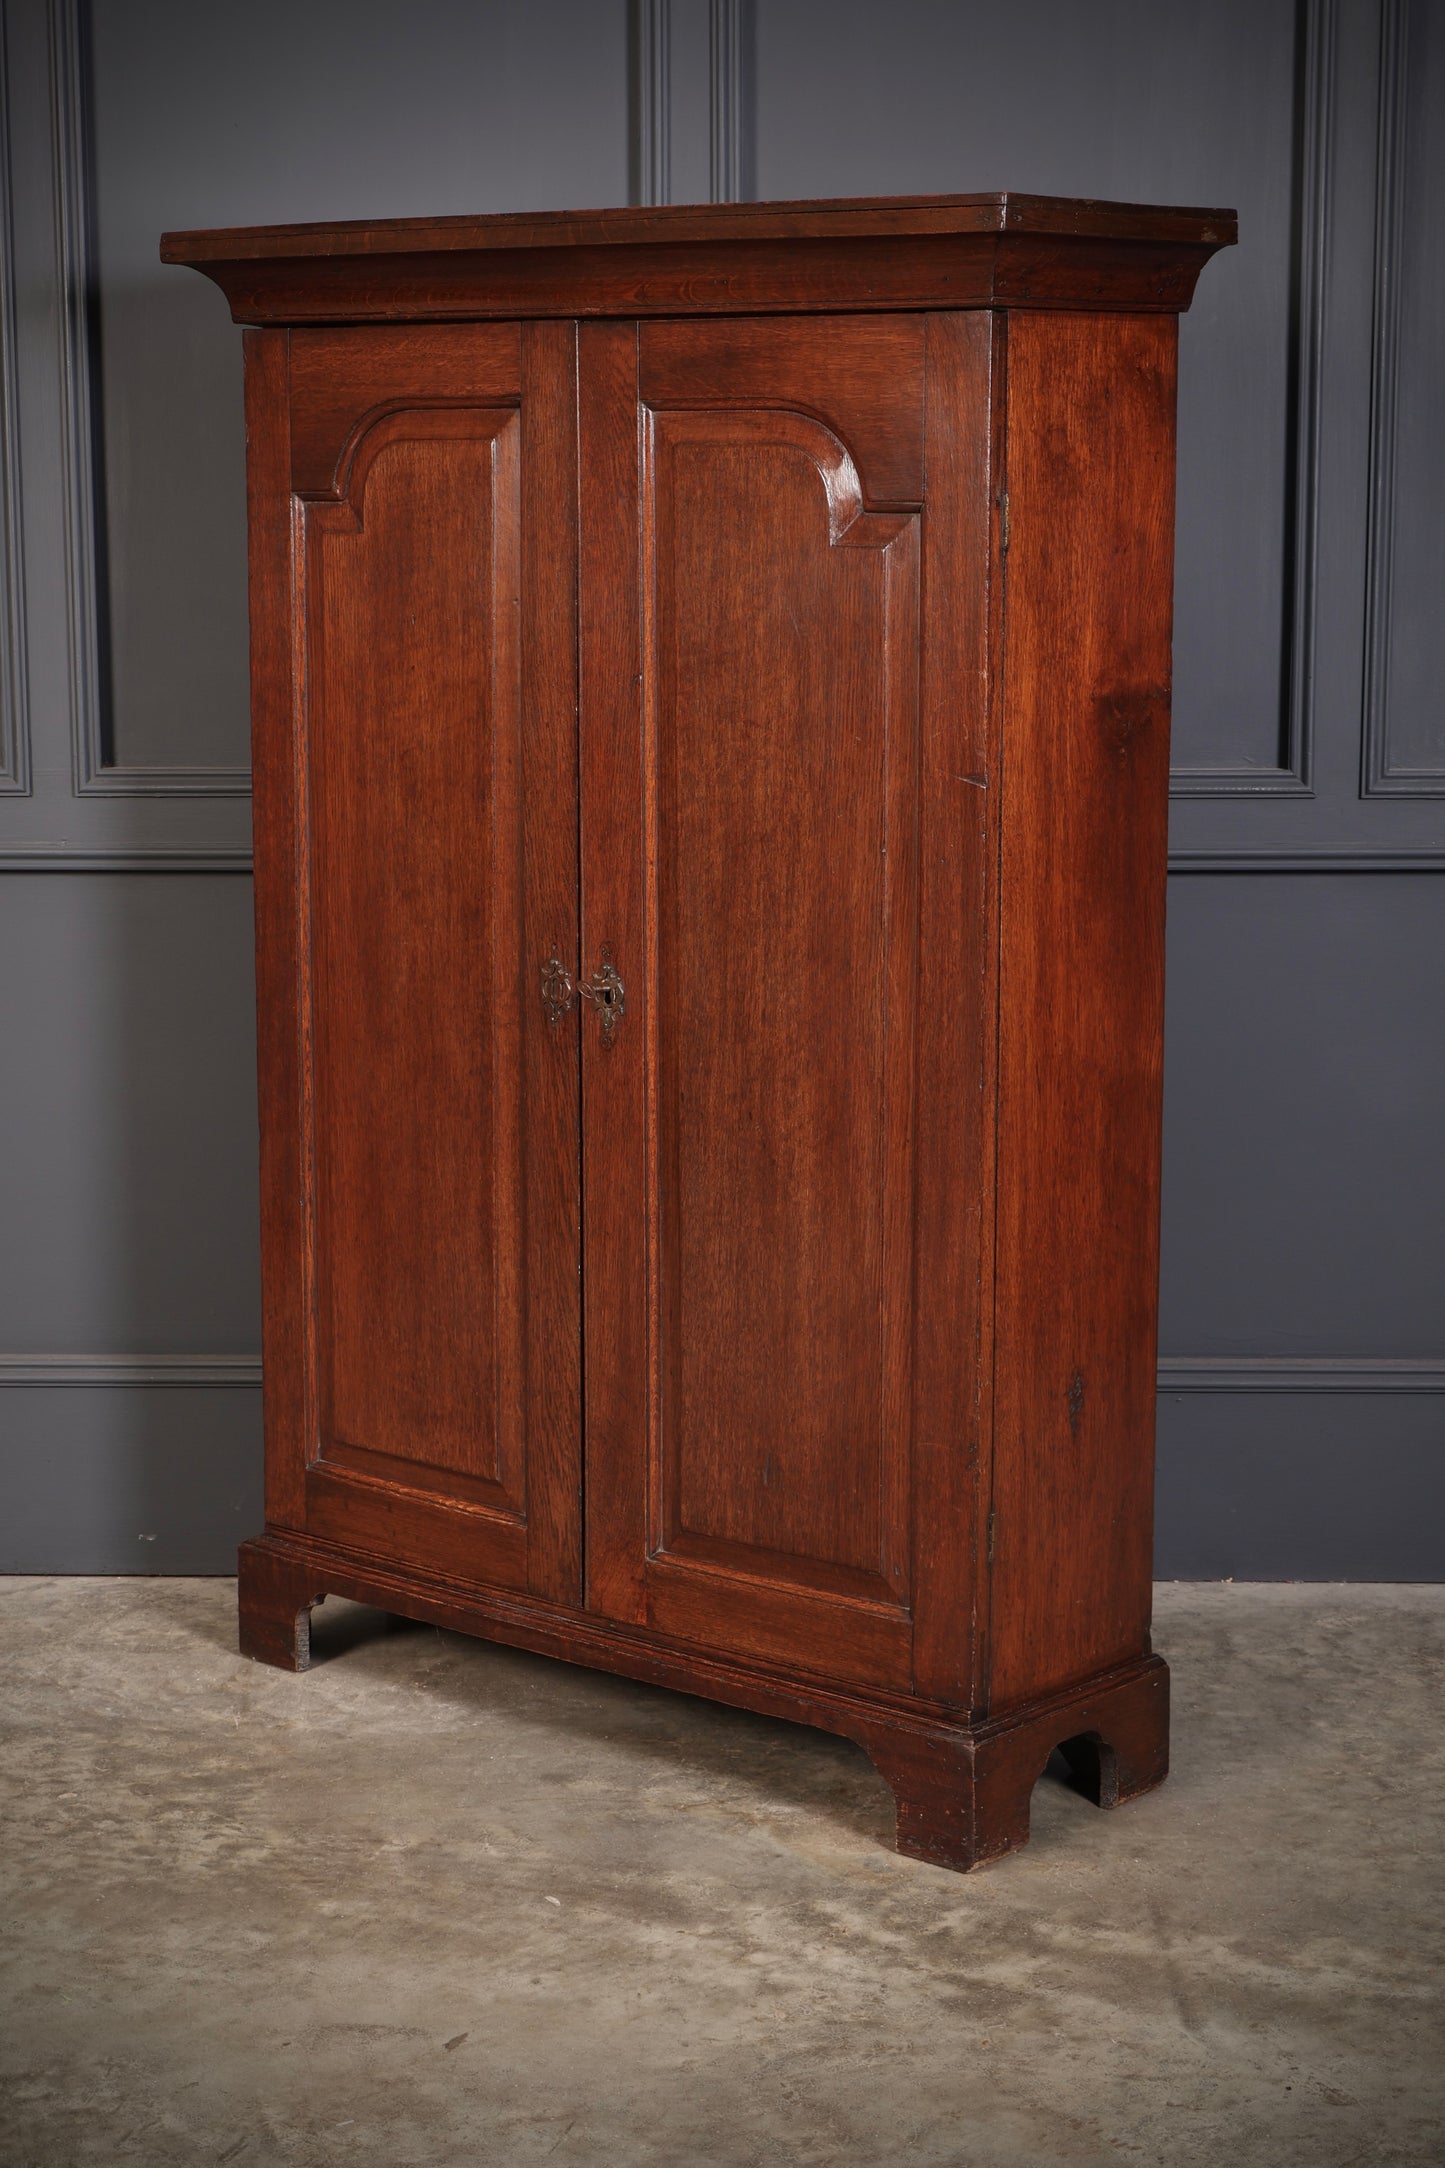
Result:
<point x="711" y="686"/>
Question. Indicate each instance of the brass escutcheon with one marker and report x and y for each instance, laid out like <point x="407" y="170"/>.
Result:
<point x="604" y="990"/>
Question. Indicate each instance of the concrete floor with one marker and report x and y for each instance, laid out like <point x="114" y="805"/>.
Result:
<point x="440" y="1903"/>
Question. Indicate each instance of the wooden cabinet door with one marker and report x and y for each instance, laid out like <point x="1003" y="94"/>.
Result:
<point x="785" y="606"/>
<point x="417" y="864"/>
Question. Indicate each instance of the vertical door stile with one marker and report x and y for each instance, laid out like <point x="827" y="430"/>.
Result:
<point x="551" y="1107"/>
<point x="650" y="694"/>
<point x="614" y="1075"/>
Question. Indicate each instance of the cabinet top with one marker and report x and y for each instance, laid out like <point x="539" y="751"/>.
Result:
<point x="878" y="252"/>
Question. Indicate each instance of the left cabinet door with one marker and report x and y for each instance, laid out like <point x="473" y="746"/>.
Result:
<point x="415" y="725"/>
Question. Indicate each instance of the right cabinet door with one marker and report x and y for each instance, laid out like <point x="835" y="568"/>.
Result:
<point x="785" y="634"/>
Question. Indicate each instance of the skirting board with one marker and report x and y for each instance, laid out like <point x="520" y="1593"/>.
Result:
<point x="103" y="1472"/>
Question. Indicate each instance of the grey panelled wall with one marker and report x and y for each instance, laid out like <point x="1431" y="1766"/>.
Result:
<point x="1302" y="1381"/>
<point x="129" y="1400"/>
<point x="1302" y="1403"/>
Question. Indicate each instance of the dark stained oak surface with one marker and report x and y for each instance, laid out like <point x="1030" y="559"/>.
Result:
<point x="413" y="681"/>
<point x="863" y="377"/>
<point x="806" y="219"/>
<point x="866" y="253"/>
<point x="425" y="1218"/>
<point x="343" y="381"/>
<point x="768" y="606"/>
<point x="780" y="800"/>
<point x="1085" y="791"/>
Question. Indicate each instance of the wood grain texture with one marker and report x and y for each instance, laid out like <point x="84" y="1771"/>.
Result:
<point x="615" y="1114"/>
<point x="771" y="844"/>
<point x="962" y="1791"/>
<point x="860" y="375"/>
<point x="436" y="772"/>
<point x="963" y="1796"/>
<point x="343" y="381"/>
<point x="418" y="1520"/>
<point x="782" y="751"/>
<point x="1085" y="812"/>
<point x="956" y="1003"/>
<point x="278" y="815"/>
<point x="276" y="1592"/>
<point x="802" y="219"/>
<point x="807" y="665"/>
<point x="551" y="1063"/>
<point x="765" y="1614"/>
<point x="413" y="682"/>
<point x="935" y="252"/>
<point x="932" y="271"/>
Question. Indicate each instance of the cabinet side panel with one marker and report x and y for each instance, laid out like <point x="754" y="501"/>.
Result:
<point x="276" y="811"/>
<point x="1085" y="812"/>
<point x="955" y="1007"/>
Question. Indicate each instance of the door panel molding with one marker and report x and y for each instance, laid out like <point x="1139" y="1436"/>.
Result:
<point x="869" y="1643"/>
<point x="460" y="466"/>
<point x="865" y="386"/>
<point x="750" y="990"/>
